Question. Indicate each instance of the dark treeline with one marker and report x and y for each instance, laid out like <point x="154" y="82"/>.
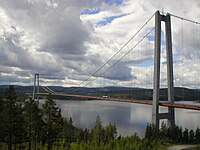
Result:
<point x="23" y="125"/>
<point x="173" y="135"/>
<point x="180" y="93"/>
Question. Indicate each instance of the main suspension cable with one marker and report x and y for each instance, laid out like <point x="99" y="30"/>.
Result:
<point x="116" y="61"/>
<point x="117" y="51"/>
<point x="185" y="19"/>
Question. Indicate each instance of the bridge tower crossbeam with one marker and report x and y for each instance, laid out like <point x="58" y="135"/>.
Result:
<point x="156" y="115"/>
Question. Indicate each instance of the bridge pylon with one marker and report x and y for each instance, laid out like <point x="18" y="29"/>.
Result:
<point x="36" y="86"/>
<point x="156" y="115"/>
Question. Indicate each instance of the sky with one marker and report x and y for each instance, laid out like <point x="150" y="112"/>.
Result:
<point x="66" y="41"/>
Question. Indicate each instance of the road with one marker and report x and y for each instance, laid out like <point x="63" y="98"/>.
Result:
<point x="180" y="147"/>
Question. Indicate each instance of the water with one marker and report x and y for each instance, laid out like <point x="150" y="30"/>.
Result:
<point x="128" y="117"/>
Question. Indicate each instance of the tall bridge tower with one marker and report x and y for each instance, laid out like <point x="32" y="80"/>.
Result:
<point x="36" y="87"/>
<point x="156" y="115"/>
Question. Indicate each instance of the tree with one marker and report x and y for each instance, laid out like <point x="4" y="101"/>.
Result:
<point x="147" y="131"/>
<point x="51" y="117"/>
<point x="110" y="132"/>
<point x="151" y="131"/>
<point x="163" y="131"/>
<point x="180" y="134"/>
<point x="13" y="121"/>
<point x="2" y="125"/>
<point x="79" y="135"/>
<point x="97" y="132"/>
<point x="68" y="132"/>
<point x="197" y="135"/>
<point x="185" y="136"/>
<point x="191" y="136"/>
<point x="174" y="133"/>
<point x="34" y="123"/>
<point x="86" y="135"/>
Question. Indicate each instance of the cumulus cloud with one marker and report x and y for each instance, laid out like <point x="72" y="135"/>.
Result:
<point x="64" y="42"/>
<point x="40" y="36"/>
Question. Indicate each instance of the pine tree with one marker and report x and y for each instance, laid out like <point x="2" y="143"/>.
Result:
<point x="197" y="135"/>
<point x="163" y="131"/>
<point x="191" y="136"/>
<point x="110" y="132"/>
<point x="68" y="131"/>
<point x="13" y="121"/>
<point x="34" y="123"/>
<point x="185" y="136"/>
<point x="51" y="117"/>
<point x="147" y="131"/>
<point x="180" y="135"/>
<point x="2" y="125"/>
<point x="86" y="135"/>
<point x="174" y="133"/>
<point x="97" y="132"/>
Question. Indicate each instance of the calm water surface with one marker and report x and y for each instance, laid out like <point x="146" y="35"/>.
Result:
<point x="128" y="117"/>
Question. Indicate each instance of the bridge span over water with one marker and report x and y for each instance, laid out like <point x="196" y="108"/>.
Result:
<point x="145" y="102"/>
<point x="159" y="43"/>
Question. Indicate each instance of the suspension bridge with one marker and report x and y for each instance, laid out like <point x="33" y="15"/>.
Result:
<point x="160" y="46"/>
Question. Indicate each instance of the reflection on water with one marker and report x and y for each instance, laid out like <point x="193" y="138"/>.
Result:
<point x="128" y="117"/>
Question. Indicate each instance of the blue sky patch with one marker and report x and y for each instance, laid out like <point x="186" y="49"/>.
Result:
<point x="151" y="37"/>
<point x="142" y="63"/>
<point x="145" y="63"/>
<point x="107" y="20"/>
<point x="163" y="42"/>
<point x="97" y="10"/>
<point x="90" y="11"/>
<point x="113" y="2"/>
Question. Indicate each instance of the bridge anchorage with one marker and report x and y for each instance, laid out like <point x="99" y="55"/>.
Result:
<point x="156" y="116"/>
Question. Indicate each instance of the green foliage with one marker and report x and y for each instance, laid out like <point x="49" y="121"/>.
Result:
<point x="123" y="143"/>
<point x="97" y="133"/>
<point x="196" y="148"/>
<point x="51" y="118"/>
<point x="197" y="135"/>
<point x="191" y="136"/>
<point x="151" y="131"/>
<point x="100" y="134"/>
<point x="185" y="136"/>
<point x="172" y="135"/>
<point x="12" y="122"/>
<point x="23" y="125"/>
<point x="34" y="123"/>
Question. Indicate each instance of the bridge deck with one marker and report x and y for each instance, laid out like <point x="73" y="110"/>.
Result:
<point x="146" y="102"/>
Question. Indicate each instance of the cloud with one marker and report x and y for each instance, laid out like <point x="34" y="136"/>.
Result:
<point x="58" y="27"/>
<point x="63" y="42"/>
<point x="119" y="72"/>
<point x="45" y="34"/>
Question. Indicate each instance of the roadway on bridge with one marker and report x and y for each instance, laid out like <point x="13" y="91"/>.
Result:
<point x="165" y="104"/>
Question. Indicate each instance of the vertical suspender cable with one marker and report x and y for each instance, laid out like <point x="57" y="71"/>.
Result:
<point x="146" y="71"/>
<point x="195" y="62"/>
<point x="198" y="66"/>
<point x="182" y="49"/>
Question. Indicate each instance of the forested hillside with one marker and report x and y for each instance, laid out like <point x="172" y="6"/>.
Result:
<point x="23" y="125"/>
